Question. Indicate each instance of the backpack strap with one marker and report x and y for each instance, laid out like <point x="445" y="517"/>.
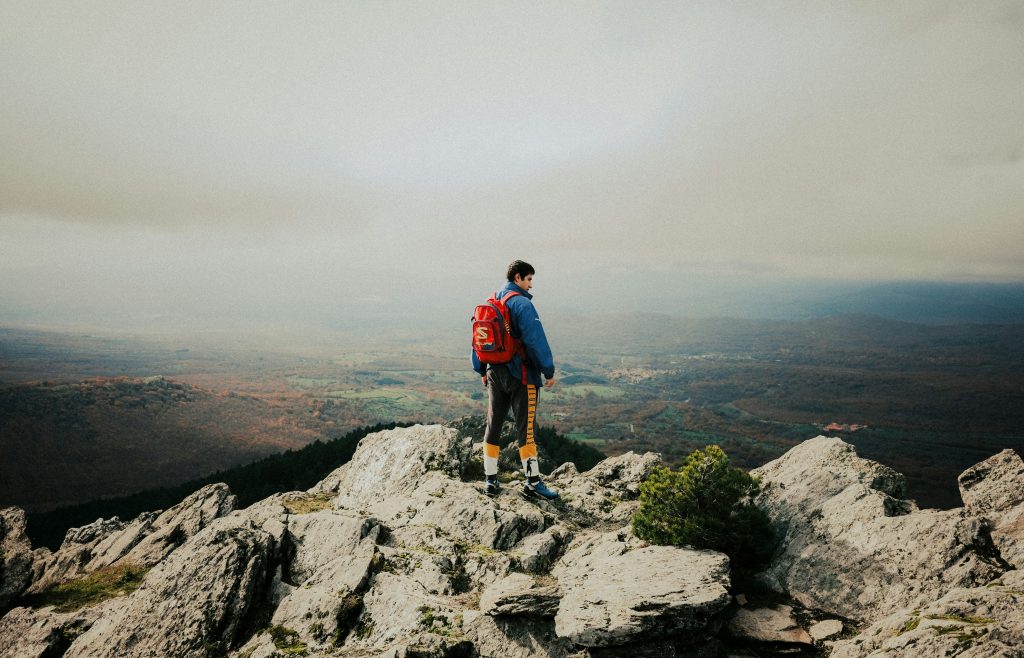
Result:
<point x="504" y="301"/>
<point x="522" y="350"/>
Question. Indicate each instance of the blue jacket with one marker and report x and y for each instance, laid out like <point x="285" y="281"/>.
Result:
<point x="526" y="325"/>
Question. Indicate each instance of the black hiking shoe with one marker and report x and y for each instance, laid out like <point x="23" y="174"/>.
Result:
<point x="493" y="487"/>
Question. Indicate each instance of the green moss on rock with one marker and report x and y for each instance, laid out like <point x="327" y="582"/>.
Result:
<point x="98" y="586"/>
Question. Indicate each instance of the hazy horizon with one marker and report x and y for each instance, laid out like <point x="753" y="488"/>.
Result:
<point x="330" y="164"/>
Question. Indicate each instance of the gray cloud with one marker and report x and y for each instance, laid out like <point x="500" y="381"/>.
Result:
<point x="229" y="153"/>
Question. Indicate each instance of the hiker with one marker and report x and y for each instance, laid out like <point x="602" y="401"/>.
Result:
<point x="514" y="384"/>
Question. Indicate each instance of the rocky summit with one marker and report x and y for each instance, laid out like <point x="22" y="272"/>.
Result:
<point x="399" y="553"/>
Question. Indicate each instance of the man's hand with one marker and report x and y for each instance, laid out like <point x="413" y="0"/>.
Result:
<point x="549" y="383"/>
<point x="484" y="378"/>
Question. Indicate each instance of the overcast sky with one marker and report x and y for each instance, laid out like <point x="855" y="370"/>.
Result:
<point x="237" y="157"/>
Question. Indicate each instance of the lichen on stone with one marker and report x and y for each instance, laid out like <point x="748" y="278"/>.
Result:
<point x="98" y="586"/>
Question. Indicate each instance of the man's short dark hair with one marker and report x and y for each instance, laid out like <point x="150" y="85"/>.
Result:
<point x="521" y="268"/>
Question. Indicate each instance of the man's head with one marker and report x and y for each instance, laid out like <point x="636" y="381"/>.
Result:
<point x="520" y="268"/>
<point x="521" y="274"/>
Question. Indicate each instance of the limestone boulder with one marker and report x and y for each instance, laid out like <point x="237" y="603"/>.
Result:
<point x="521" y="594"/>
<point x="825" y="629"/>
<point x="318" y="538"/>
<point x="328" y="560"/>
<point x="176" y="525"/>
<point x="201" y="598"/>
<point x="89" y="547"/>
<point x="394" y="462"/>
<point x="607" y="494"/>
<point x="30" y="633"/>
<point x="618" y="590"/>
<point x="400" y="617"/>
<point x="409" y="477"/>
<point x="851" y="546"/>
<point x="775" y="624"/>
<point x="16" y="556"/>
<point x="994" y="489"/>
<point x="537" y="553"/>
<point x="505" y="636"/>
<point x="978" y="622"/>
<point x="145" y="541"/>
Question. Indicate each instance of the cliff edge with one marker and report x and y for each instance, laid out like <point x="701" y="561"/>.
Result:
<point x="399" y="553"/>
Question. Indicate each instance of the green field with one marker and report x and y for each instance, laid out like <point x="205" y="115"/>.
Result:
<point x="581" y="390"/>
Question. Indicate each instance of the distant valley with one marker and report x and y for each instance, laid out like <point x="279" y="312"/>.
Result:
<point x="928" y="400"/>
<point x="64" y="443"/>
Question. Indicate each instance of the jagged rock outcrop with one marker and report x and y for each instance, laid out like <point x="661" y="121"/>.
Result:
<point x="979" y="622"/>
<point x="394" y="554"/>
<point x="409" y="478"/>
<point x="195" y="602"/>
<point x="608" y="493"/>
<point x="144" y="542"/>
<point x="994" y="489"/>
<point x="15" y="555"/>
<point x="30" y="633"/>
<point x="852" y="545"/>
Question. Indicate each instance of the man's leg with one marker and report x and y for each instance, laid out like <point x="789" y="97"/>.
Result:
<point x="498" y="402"/>
<point x="525" y="410"/>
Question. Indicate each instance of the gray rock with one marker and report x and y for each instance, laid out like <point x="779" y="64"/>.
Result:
<point x="16" y="556"/>
<point x="145" y="541"/>
<point x="319" y="538"/>
<point x="995" y="484"/>
<point x="85" y="549"/>
<point x="409" y="560"/>
<point x="994" y="489"/>
<point x="394" y="462"/>
<point x="538" y="552"/>
<point x="186" y="519"/>
<point x="851" y="548"/>
<point x="974" y="622"/>
<point x="607" y="494"/>
<point x="520" y="594"/>
<point x="825" y="629"/>
<point x="408" y="476"/>
<point x="618" y="591"/>
<point x="775" y="624"/>
<point x="399" y="615"/>
<point x="198" y="598"/>
<point x="515" y="637"/>
<point x="332" y="556"/>
<point x="28" y="633"/>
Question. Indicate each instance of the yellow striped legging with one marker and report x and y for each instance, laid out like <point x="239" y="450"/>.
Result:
<point x="505" y="392"/>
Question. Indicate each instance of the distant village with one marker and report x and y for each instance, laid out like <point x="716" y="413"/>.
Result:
<point x="839" y="427"/>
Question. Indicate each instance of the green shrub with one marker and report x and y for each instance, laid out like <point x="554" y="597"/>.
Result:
<point x="705" y="504"/>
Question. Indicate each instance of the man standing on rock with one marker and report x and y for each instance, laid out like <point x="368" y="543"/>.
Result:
<point x="514" y="384"/>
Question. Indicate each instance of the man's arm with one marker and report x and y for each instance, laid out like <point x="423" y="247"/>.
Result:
<point x="531" y="332"/>
<point x="480" y="368"/>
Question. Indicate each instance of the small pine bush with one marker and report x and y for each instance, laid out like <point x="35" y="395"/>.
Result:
<point x="705" y="504"/>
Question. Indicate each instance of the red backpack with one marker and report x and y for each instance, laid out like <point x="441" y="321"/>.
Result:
<point x="492" y="331"/>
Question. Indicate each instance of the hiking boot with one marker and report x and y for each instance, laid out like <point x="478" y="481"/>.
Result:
<point x="538" y="490"/>
<point x="493" y="487"/>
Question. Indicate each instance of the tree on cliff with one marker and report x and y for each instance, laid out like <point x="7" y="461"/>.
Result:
<point x="705" y="504"/>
